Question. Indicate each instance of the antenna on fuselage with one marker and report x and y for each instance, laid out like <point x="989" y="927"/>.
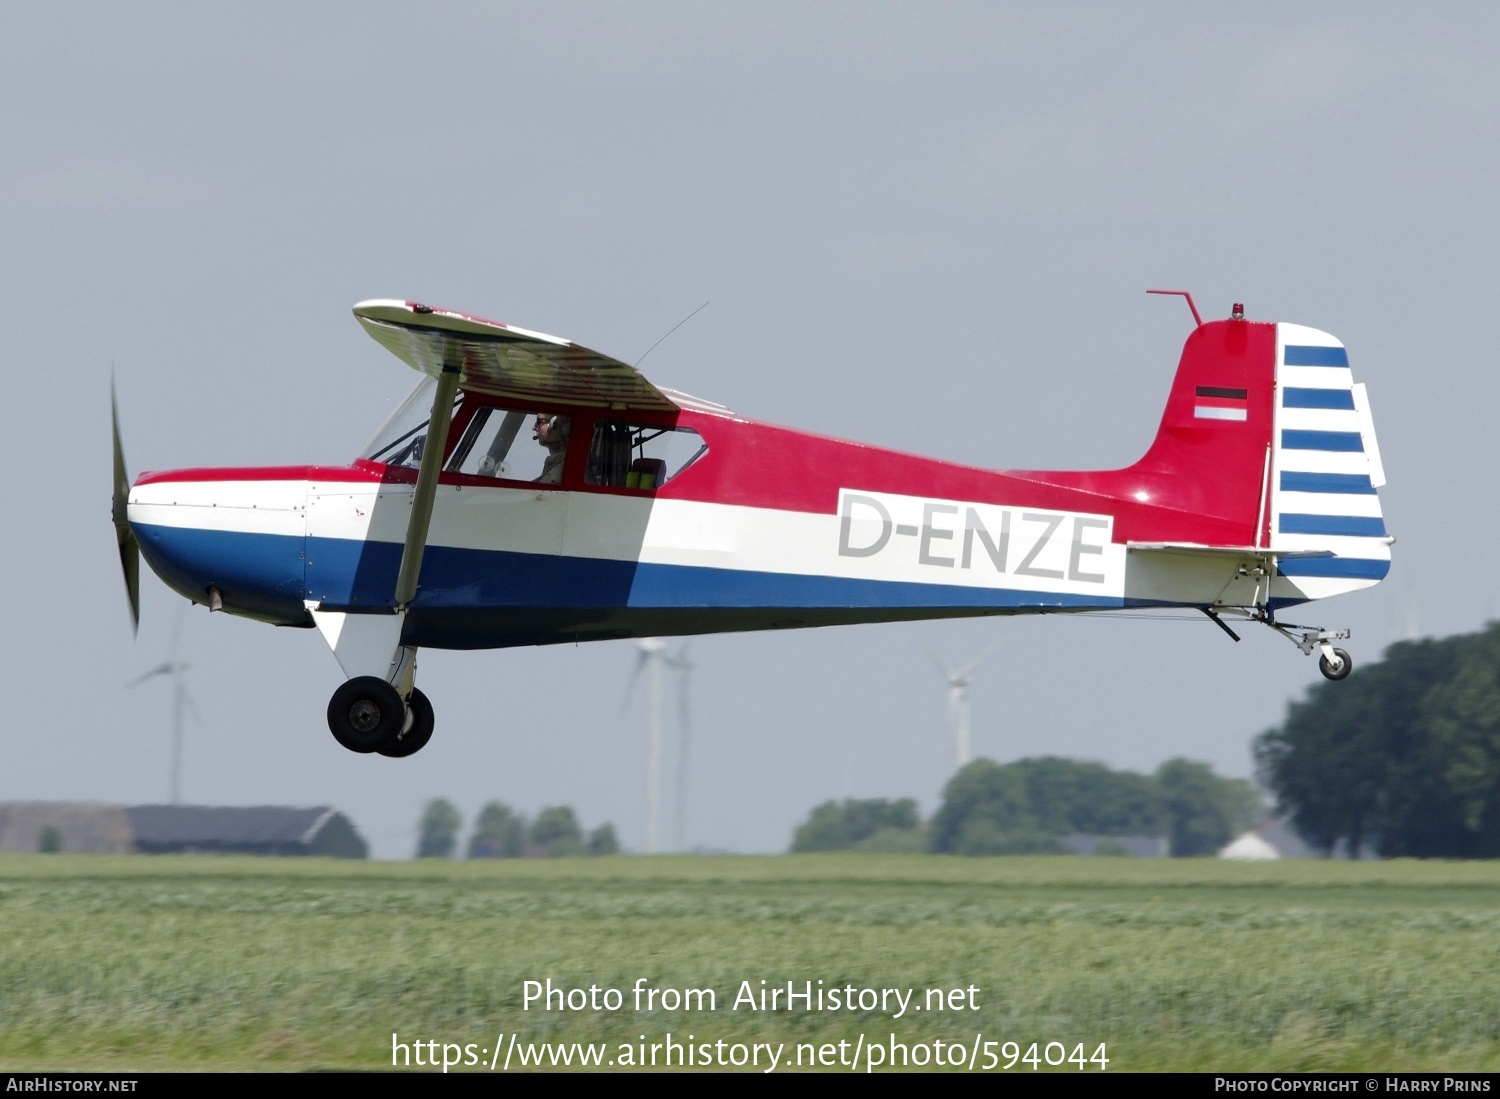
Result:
<point x="674" y="328"/>
<point x="1184" y="294"/>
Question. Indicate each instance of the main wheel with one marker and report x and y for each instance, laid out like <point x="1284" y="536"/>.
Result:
<point x="365" y="714"/>
<point x="1336" y="669"/>
<point x="415" y="738"/>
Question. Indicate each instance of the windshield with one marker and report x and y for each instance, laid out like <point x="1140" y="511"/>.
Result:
<point x="489" y="445"/>
<point x="401" y="440"/>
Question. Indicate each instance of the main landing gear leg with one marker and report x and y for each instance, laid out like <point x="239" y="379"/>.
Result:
<point x="380" y="713"/>
<point x="1334" y="663"/>
<point x="380" y="708"/>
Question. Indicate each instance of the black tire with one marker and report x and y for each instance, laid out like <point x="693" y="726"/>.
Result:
<point x="1337" y="671"/>
<point x="415" y="738"/>
<point x="365" y="714"/>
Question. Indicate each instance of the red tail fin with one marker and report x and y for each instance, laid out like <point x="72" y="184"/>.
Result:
<point x="1204" y="477"/>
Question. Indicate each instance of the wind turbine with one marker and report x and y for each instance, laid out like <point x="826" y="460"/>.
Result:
<point x="684" y="669"/>
<point x="180" y="698"/>
<point x="958" y="701"/>
<point x="650" y="650"/>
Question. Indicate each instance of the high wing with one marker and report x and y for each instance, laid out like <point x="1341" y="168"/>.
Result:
<point x="502" y="361"/>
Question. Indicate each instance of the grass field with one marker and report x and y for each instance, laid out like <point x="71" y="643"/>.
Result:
<point x="119" y="963"/>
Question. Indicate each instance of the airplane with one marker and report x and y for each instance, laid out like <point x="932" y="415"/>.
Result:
<point x="530" y="491"/>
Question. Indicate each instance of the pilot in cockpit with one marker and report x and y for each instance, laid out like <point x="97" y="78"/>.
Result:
<point x="552" y="433"/>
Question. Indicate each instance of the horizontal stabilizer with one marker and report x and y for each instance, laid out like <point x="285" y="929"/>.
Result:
<point x="1197" y="549"/>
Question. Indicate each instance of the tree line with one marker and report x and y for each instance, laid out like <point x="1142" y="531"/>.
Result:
<point x="1028" y="806"/>
<point x="502" y="833"/>
<point x="1403" y="757"/>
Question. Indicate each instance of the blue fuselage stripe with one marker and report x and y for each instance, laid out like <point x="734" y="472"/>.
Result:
<point x="260" y="574"/>
<point x="480" y="578"/>
<point x="266" y="573"/>
<point x="490" y="598"/>
<point x="1357" y="484"/>
<point x="1322" y="440"/>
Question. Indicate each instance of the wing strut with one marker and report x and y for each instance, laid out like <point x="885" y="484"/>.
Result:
<point x="370" y="644"/>
<point x="379" y="709"/>
<point x="427" y="477"/>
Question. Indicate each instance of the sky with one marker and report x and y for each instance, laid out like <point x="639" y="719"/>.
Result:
<point x="928" y="227"/>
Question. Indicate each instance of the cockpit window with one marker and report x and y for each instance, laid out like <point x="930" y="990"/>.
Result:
<point x="640" y="456"/>
<point x="513" y="444"/>
<point x="401" y="440"/>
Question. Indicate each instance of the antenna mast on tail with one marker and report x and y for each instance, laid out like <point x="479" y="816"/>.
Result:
<point x="1183" y="293"/>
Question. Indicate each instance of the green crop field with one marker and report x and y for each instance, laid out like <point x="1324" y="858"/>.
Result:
<point x="122" y="963"/>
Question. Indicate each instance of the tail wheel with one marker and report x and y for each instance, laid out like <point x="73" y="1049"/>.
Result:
<point x="366" y="713"/>
<point x="1337" y="668"/>
<point x="415" y="738"/>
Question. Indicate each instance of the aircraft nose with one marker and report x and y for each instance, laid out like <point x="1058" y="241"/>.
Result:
<point x="243" y="537"/>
